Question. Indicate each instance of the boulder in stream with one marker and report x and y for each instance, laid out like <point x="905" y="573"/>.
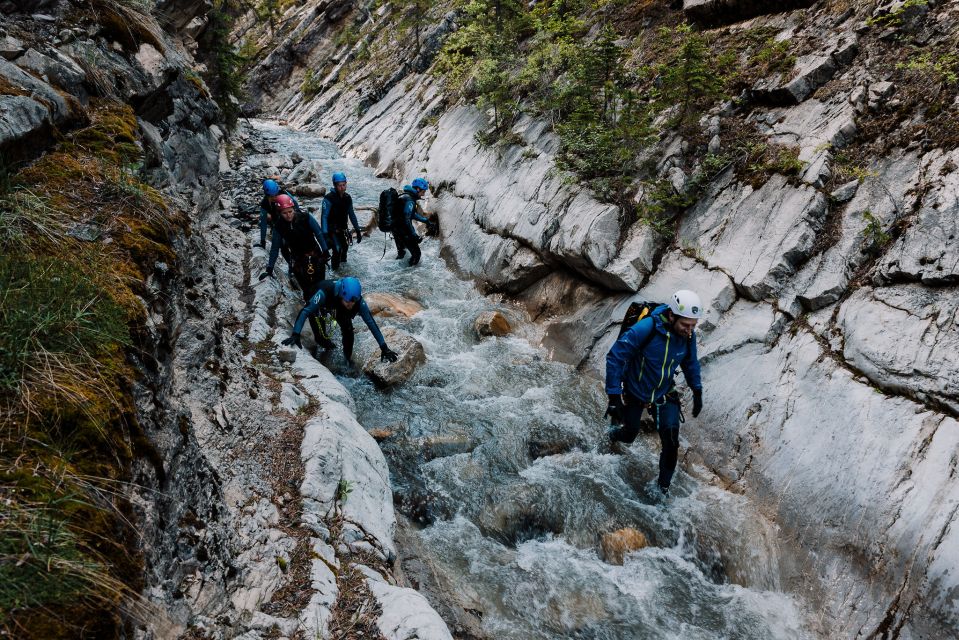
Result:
<point x="411" y="355"/>
<point x="616" y="544"/>
<point x="390" y="305"/>
<point x="309" y="190"/>
<point x="491" y="323"/>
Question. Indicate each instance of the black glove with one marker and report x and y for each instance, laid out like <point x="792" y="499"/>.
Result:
<point x="266" y="274"/>
<point x="359" y="236"/>
<point x="697" y="402"/>
<point x="418" y="239"/>
<point x="387" y="354"/>
<point x="432" y="228"/>
<point x="293" y="339"/>
<point x="615" y="409"/>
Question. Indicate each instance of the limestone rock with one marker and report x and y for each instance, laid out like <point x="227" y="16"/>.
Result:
<point x="309" y="190"/>
<point x="10" y="47"/>
<point x="491" y="323"/>
<point x="845" y="192"/>
<point x="305" y="171"/>
<point x="928" y="251"/>
<point x="809" y="73"/>
<point x="758" y="252"/>
<point x="553" y="439"/>
<point x="617" y="544"/>
<point x="406" y="614"/>
<point x="411" y="355"/>
<point x="60" y="69"/>
<point x="390" y="305"/>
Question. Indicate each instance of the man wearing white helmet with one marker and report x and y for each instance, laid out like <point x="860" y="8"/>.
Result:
<point x="639" y="376"/>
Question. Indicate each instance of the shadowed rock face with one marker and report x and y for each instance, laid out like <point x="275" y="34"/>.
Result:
<point x="718" y="12"/>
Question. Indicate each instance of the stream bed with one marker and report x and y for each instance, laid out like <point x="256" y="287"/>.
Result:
<point x="498" y="457"/>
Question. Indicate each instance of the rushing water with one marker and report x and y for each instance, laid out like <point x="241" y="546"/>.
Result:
<point x="517" y="535"/>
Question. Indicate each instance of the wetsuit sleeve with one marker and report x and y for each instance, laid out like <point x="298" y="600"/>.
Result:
<point x="371" y="323"/>
<point x="318" y="232"/>
<point x="352" y="214"/>
<point x="417" y="216"/>
<point x="275" y="245"/>
<point x="622" y="351"/>
<point x="409" y="212"/>
<point x="325" y="216"/>
<point x="311" y="308"/>
<point x="690" y="366"/>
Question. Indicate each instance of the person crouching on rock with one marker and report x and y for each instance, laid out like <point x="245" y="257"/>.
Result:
<point x="404" y="234"/>
<point x="639" y="376"/>
<point x="337" y="209"/>
<point x="342" y="300"/>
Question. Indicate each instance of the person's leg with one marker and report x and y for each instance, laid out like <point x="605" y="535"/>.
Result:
<point x="344" y="246"/>
<point x="263" y="225"/>
<point x="400" y="244"/>
<point x="632" y="413"/>
<point x="415" y="252"/>
<point x="346" y="330"/>
<point x="667" y="423"/>
<point x="333" y="239"/>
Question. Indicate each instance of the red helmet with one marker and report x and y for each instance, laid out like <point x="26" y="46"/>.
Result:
<point x="284" y="201"/>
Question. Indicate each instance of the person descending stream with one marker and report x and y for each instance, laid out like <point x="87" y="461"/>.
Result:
<point x="639" y="376"/>
<point x="404" y="234"/>
<point x="336" y="215"/>
<point x="270" y="213"/>
<point x="340" y="300"/>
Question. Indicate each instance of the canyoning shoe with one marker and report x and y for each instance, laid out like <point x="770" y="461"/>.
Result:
<point x="400" y="255"/>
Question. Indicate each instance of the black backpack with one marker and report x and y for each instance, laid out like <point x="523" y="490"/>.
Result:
<point x="634" y="313"/>
<point x="389" y="209"/>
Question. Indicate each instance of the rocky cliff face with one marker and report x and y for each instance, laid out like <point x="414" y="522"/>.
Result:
<point x="830" y="397"/>
<point x="233" y="515"/>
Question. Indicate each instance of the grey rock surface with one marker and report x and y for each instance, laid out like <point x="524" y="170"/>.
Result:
<point x="411" y="355"/>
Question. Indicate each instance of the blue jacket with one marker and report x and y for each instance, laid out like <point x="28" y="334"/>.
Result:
<point x="280" y="230"/>
<point x="319" y="303"/>
<point x="647" y="373"/>
<point x="409" y="210"/>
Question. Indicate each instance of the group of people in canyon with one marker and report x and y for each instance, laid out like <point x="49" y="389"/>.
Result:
<point x="308" y="245"/>
<point x="640" y="365"/>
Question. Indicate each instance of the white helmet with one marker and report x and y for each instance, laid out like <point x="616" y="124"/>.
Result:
<point x="685" y="303"/>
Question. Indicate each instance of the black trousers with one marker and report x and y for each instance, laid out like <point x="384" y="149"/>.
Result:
<point x="339" y="241"/>
<point x="666" y="417"/>
<point x="308" y="285"/>
<point x="404" y="241"/>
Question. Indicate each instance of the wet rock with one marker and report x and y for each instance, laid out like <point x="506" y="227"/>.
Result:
<point x="286" y="354"/>
<point x="309" y="190"/>
<point x="446" y="444"/>
<point x="411" y="355"/>
<point x="519" y="512"/>
<point x="491" y="323"/>
<point x="552" y="439"/>
<point x="390" y="305"/>
<point x="381" y="434"/>
<point x="616" y="545"/>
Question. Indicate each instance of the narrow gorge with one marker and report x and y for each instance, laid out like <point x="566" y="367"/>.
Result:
<point x="170" y="469"/>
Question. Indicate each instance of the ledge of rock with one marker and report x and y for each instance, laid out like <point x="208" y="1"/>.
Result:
<point x="309" y="190"/>
<point x="411" y="355"/>
<point x="717" y="12"/>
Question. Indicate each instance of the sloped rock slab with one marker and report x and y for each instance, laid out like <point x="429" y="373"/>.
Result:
<point x="928" y="251"/>
<point x="758" y="237"/>
<point x="411" y="355"/>
<point x="809" y="73"/>
<point x="905" y="338"/>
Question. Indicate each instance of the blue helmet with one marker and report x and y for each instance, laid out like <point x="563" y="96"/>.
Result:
<point x="420" y="183"/>
<point x="271" y="187"/>
<point x="350" y="289"/>
<point x="339" y="176"/>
